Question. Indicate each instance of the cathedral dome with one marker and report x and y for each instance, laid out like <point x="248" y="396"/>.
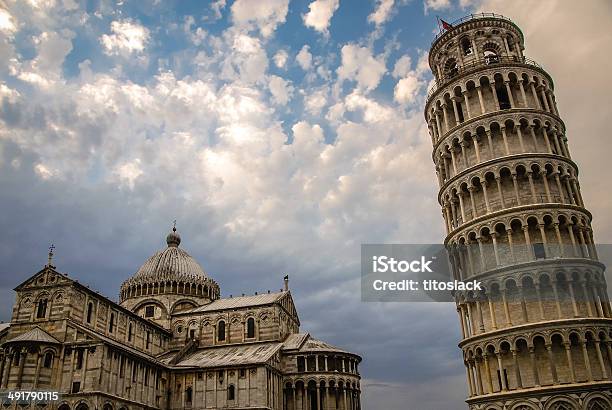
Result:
<point x="171" y="263"/>
<point x="170" y="271"/>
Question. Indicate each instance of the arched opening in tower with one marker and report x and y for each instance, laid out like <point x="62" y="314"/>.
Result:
<point x="502" y="93"/>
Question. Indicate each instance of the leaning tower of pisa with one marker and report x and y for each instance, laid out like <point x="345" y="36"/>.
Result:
<point x="539" y="335"/>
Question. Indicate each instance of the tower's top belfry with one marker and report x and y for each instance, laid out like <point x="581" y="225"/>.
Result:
<point x="474" y="40"/>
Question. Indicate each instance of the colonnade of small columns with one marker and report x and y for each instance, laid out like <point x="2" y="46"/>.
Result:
<point x="504" y="189"/>
<point x="516" y="303"/>
<point x="465" y="152"/>
<point x="327" y="363"/>
<point x="577" y="357"/>
<point x="208" y="290"/>
<point x="454" y="107"/>
<point x="321" y="395"/>
<point x="504" y="243"/>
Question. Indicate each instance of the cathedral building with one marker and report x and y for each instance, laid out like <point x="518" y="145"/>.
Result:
<point x="540" y="335"/>
<point x="172" y="342"/>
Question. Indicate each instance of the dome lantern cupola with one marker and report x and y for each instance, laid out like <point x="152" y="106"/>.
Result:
<point x="173" y="238"/>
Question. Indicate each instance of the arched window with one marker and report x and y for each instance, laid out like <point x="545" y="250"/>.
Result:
<point x="221" y="331"/>
<point x="48" y="362"/>
<point x="130" y="333"/>
<point x="466" y="46"/>
<point x="111" y="323"/>
<point x="250" y="328"/>
<point x="451" y="69"/>
<point x="89" y="311"/>
<point x="231" y="392"/>
<point x="41" y="312"/>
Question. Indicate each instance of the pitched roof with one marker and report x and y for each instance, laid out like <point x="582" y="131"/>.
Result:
<point x="230" y="355"/>
<point x="35" y="335"/>
<point x="4" y="326"/>
<point x="314" y="345"/>
<point x="294" y="341"/>
<point x="239" y="302"/>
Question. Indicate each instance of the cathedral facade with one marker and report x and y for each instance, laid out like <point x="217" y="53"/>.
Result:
<point x="172" y="342"/>
<point x="540" y="335"/>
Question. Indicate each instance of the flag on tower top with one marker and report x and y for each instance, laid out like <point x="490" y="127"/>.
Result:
<point x="445" y="25"/>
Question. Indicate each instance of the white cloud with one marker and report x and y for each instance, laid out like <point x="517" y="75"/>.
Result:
<point x="402" y="66"/>
<point x="407" y="89"/>
<point x="304" y="58"/>
<point x="382" y="13"/>
<point x="307" y="136"/>
<point x="8" y="93"/>
<point x="372" y="110"/>
<point x="196" y="36"/>
<point x="129" y="172"/>
<point x="45" y="69"/>
<point x="280" y="58"/>
<point x="320" y="14"/>
<point x="360" y="65"/>
<point x="264" y="15"/>
<point x="128" y="37"/>
<point x="44" y="172"/>
<point x="248" y="62"/>
<point x="280" y="89"/>
<point x="436" y="5"/>
<point x="35" y="78"/>
<point x="7" y="24"/>
<point x="217" y="8"/>
<point x="422" y="66"/>
<point x="52" y="49"/>
<point x="316" y="100"/>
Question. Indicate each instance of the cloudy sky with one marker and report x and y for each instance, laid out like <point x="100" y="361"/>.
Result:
<point x="280" y="134"/>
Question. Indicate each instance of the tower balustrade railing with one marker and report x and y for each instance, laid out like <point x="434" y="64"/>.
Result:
<point x="470" y="17"/>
